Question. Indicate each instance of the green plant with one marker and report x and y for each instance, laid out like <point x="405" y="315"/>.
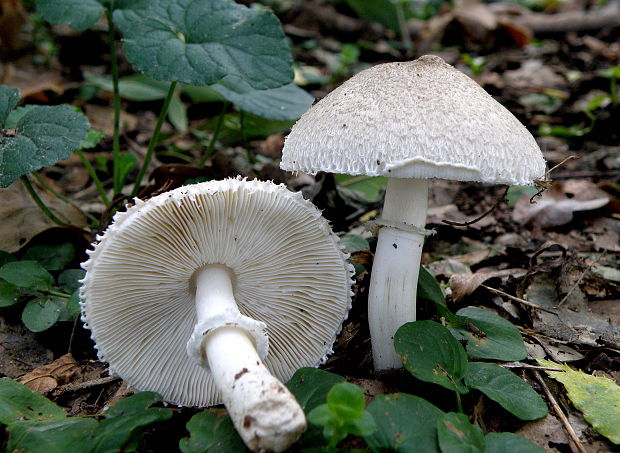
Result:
<point x="343" y="414"/>
<point x="37" y="425"/>
<point x="249" y="53"/>
<point x="476" y="64"/>
<point x="47" y="299"/>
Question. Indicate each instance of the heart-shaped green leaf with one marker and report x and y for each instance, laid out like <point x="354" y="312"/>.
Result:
<point x="42" y="137"/>
<point x="457" y="435"/>
<point x="431" y="354"/>
<point x="405" y="423"/>
<point x="507" y="389"/>
<point x="510" y="443"/>
<point x="27" y="274"/>
<point x="200" y="42"/>
<point x="42" y="313"/>
<point x="488" y="335"/>
<point x="9" y="97"/>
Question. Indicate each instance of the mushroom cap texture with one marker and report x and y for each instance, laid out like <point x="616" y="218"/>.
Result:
<point x="418" y="119"/>
<point x="289" y="272"/>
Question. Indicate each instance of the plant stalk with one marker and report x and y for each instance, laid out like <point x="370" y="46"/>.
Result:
<point x="216" y="133"/>
<point x="154" y="138"/>
<point x="405" y="37"/>
<point x="47" y="211"/>
<point x="93" y="174"/>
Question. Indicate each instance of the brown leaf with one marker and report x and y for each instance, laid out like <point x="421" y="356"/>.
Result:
<point x="554" y="208"/>
<point x="47" y="377"/>
<point x="463" y="284"/>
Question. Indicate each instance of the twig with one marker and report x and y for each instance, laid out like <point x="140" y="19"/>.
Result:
<point x="479" y="218"/>
<point x="521" y="301"/>
<point x="558" y="410"/>
<point x="77" y="386"/>
<point x="529" y="367"/>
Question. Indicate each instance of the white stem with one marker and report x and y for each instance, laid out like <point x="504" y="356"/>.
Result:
<point x="394" y="277"/>
<point x="264" y="412"/>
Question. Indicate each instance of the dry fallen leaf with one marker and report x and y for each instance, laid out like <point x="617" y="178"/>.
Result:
<point x="22" y="220"/>
<point x="463" y="284"/>
<point x="553" y="208"/>
<point x="47" y="377"/>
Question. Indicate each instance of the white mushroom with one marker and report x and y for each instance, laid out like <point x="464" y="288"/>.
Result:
<point x="203" y="292"/>
<point x="409" y="121"/>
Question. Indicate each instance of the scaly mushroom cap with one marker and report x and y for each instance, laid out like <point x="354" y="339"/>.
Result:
<point x="418" y="119"/>
<point x="289" y="272"/>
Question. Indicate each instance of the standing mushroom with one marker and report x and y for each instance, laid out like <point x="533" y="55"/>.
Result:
<point x="409" y="121"/>
<point x="202" y="292"/>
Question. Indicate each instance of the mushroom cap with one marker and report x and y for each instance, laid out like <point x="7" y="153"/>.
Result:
<point x="289" y="272"/>
<point x="418" y="119"/>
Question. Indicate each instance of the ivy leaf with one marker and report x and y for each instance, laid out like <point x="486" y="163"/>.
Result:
<point x="405" y="423"/>
<point x="457" y="435"/>
<point x="597" y="397"/>
<point x="431" y="354"/>
<point x="9" y="97"/>
<point x="211" y="433"/>
<point x="42" y="136"/>
<point x="493" y="337"/>
<point x="510" y="443"/>
<point x="200" y="42"/>
<point x="507" y="389"/>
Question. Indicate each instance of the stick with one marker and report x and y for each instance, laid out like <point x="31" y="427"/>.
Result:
<point x="521" y="301"/>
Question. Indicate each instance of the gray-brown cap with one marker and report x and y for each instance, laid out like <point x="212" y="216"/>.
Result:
<point x="289" y="272"/>
<point x="418" y="119"/>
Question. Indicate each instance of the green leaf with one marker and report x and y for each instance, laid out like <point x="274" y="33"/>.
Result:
<point x="322" y="416"/>
<point x="516" y="192"/>
<point x="597" y="397"/>
<point x="44" y="136"/>
<point x="69" y="279"/>
<point x="382" y="11"/>
<point x="493" y="338"/>
<point x="200" y="42"/>
<point x="346" y="400"/>
<point x="9" y="97"/>
<point x="457" y="435"/>
<point x="287" y="102"/>
<point x="78" y="14"/>
<point x="51" y="257"/>
<point x="352" y="242"/>
<point x="126" y="163"/>
<point x="510" y="443"/>
<point x="134" y="88"/>
<point x="52" y="436"/>
<point x="6" y="257"/>
<point x="92" y="139"/>
<point x="73" y="305"/>
<point x="211" y="433"/>
<point x="9" y="294"/>
<point x="369" y="188"/>
<point x="431" y="354"/>
<point x="362" y="426"/>
<point x="177" y="114"/>
<point x="42" y="313"/>
<point x="405" y="423"/>
<point x="27" y="274"/>
<point x="429" y="288"/>
<point x="310" y="386"/>
<point x="120" y="431"/>
<point x="18" y="402"/>
<point x="506" y="388"/>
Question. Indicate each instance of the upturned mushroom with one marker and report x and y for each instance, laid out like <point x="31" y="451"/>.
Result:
<point x="217" y="292"/>
<point x="410" y="122"/>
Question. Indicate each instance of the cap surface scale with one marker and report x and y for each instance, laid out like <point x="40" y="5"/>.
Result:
<point x="418" y="119"/>
<point x="289" y="272"/>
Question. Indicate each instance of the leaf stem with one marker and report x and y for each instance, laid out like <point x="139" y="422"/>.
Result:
<point x="154" y="138"/>
<point x="26" y="182"/>
<point x="459" y="404"/>
<point x="93" y="174"/>
<point x="216" y="133"/>
<point x="116" y="147"/>
<point x="58" y="294"/>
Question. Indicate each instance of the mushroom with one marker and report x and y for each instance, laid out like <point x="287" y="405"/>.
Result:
<point x="203" y="292"/>
<point x="409" y="121"/>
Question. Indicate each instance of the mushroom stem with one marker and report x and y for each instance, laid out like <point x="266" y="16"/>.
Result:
<point x="264" y="412"/>
<point x="394" y="277"/>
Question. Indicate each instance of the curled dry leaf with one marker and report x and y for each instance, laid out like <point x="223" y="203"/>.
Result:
<point x="47" y="377"/>
<point x="553" y="208"/>
<point x="464" y="284"/>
